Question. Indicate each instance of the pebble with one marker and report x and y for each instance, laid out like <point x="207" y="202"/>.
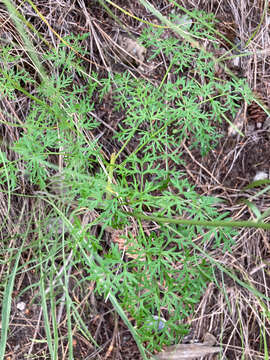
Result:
<point x="260" y="175"/>
<point x="21" y="306"/>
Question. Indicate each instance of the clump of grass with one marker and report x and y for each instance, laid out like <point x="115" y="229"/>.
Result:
<point x="161" y="273"/>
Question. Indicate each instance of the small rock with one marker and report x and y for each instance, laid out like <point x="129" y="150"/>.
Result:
<point x="260" y="175"/>
<point x="21" y="306"/>
<point x="236" y="61"/>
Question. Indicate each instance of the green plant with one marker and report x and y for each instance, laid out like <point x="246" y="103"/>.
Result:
<point x="161" y="271"/>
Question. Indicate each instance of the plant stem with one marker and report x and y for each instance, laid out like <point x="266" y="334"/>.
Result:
<point x="214" y="223"/>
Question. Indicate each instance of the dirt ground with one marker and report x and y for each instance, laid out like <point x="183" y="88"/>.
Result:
<point x="231" y="315"/>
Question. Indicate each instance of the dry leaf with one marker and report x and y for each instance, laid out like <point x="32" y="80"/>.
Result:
<point x="240" y="118"/>
<point x="126" y="240"/>
<point x="187" y="351"/>
<point x="190" y="351"/>
<point x="131" y="47"/>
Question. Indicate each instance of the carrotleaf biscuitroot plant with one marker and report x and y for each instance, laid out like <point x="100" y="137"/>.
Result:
<point x="158" y="272"/>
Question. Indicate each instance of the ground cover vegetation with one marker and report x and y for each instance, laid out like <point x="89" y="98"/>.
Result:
<point x="131" y="217"/>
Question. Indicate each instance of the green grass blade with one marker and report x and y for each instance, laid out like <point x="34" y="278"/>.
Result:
<point x="17" y="18"/>
<point x="265" y="342"/>
<point x="45" y="313"/>
<point x="254" y="209"/>
<point x="122" y="314"/>
<point x="6" y="306"/>
<point x="54" y="322"/>
<point x="68" y="303"/>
